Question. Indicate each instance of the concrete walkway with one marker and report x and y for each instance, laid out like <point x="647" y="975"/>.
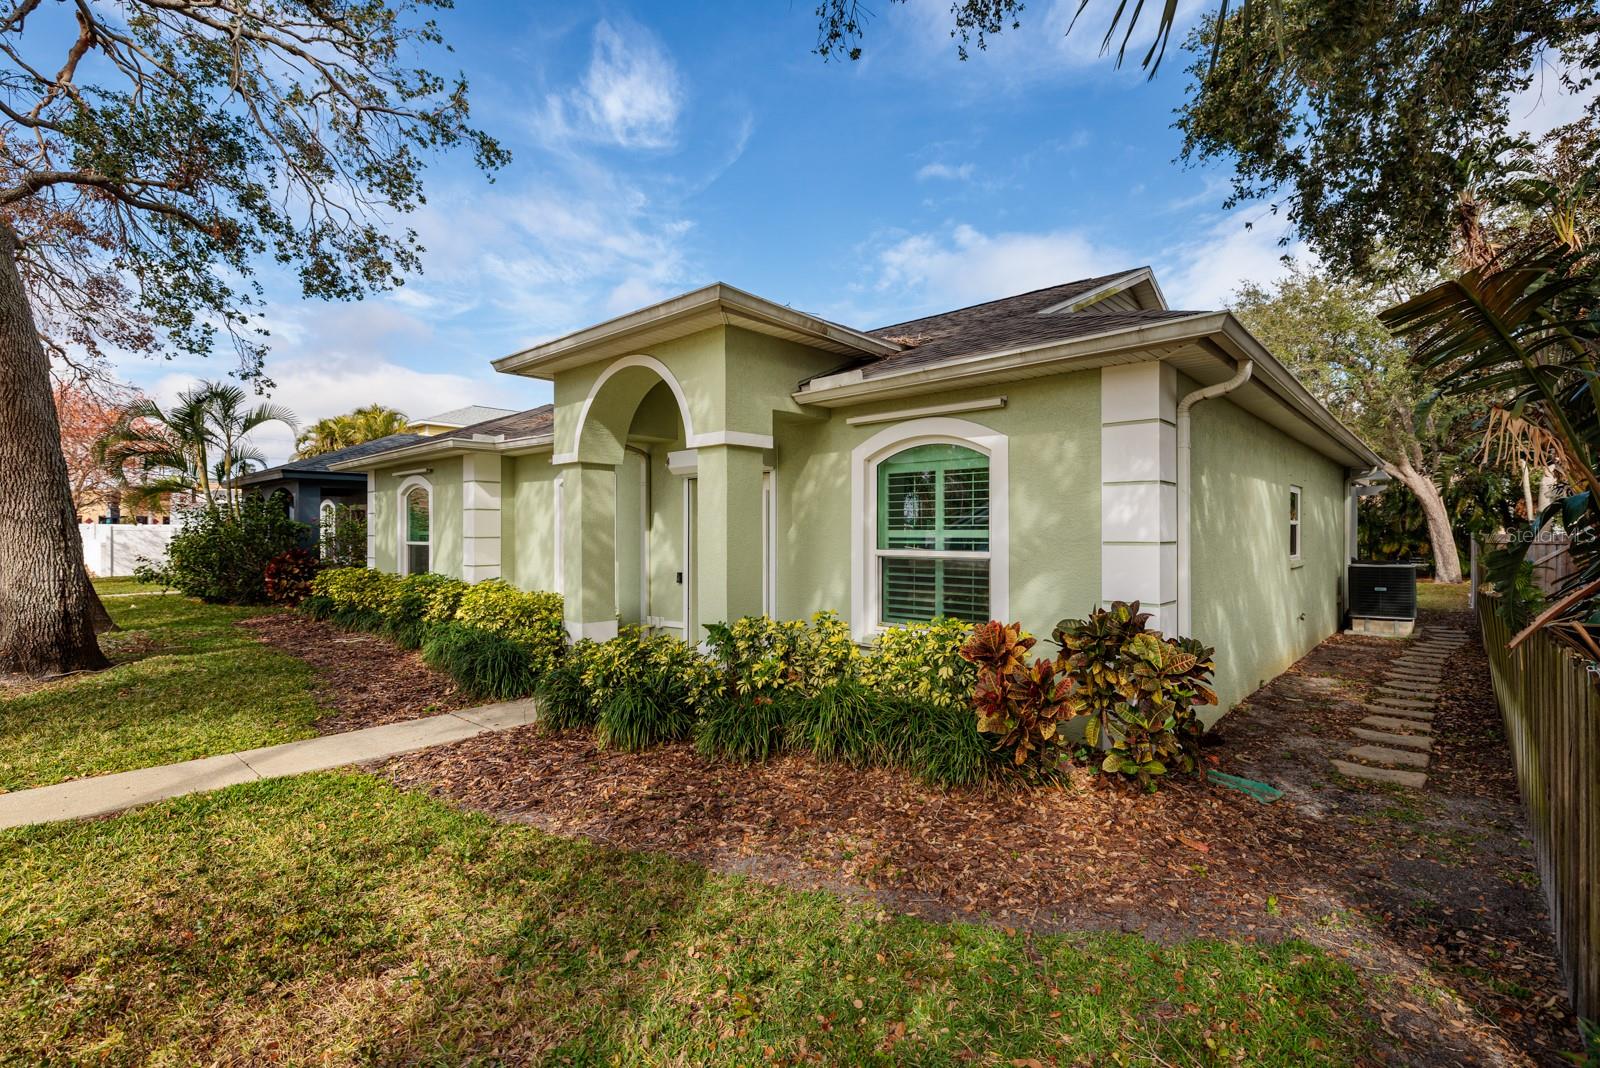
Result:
<point x="103" y="794"/>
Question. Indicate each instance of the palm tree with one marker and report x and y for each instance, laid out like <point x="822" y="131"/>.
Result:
<point x="1520" y="328"/>
<point x="352" y="428"/>
<point x="196" y="445"/>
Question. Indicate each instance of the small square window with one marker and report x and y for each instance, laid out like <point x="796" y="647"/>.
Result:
<point x="1294" y="522"/>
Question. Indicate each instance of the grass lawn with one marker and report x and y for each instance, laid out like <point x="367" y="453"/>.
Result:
<point x="334" y="919"/>
<point x="186" y="683"/>
<point x="118" y="586"/>
<point x="1442" y="596"/>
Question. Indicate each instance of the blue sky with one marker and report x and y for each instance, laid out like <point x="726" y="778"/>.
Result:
<point x="659" y="148"/>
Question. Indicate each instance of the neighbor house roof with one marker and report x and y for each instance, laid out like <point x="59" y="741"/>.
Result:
<point x="464" y="417"/>
<point x="322" y="463"/>
<point x="511" y="431"/>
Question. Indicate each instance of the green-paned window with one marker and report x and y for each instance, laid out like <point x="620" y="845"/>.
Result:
<point x="416" y="548"/>
<point x="933" y="534"/>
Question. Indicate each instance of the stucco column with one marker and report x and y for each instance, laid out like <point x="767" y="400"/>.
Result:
<point x="1139" y="489"/>
<point x="588" y="517"/>
<point x="372" y="519"/>
<point x="729" y="544"/>
<point x="480" y="516"/>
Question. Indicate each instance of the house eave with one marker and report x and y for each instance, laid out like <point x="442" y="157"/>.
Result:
<point x="436" y="449"/>
<point x="714" y="305"/>
<point x="1213" y="339"/>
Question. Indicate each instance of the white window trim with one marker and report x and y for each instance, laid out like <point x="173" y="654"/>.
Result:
<point x="403" y="558"/>
<point x="1297" y="533"/>
<point x="864" y="459"/>
<point x="325" y="511"/>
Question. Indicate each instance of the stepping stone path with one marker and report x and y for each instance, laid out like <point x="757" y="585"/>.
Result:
<point x="1396" y="739"/>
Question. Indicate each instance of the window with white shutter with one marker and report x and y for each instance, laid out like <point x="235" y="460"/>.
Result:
<point x="932" y="546"/>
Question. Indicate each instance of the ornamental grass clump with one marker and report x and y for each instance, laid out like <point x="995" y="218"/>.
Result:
<point x="746" y="727"/>
<point x="485" y="665"/>
<point x="841" y="721"/>
<point x="1136" y="691"/>
<point x="646" y="689"/>
<point x="564" y="700"/>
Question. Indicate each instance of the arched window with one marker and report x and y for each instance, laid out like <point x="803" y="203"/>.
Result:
<point x="327" y="520"/>
<point x="931" y="543"/>
<point x="415" y="526"/>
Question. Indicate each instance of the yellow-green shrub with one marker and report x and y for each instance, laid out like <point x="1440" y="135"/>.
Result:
<point x="531" y="620"/>
<point x="922" y="662"/>
<point x="762" y="656"/>
<point x="358" y="588"/>
<point x="407" y="617"/>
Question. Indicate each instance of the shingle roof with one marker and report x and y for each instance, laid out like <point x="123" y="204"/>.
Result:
<point x="320" y="463"/>
<point x="1007" y="323"/>
<point x="528" y="424"/>
<point x="464" y="417"/>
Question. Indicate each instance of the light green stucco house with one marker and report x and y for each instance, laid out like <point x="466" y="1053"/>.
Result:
<point x="718" y="455"/>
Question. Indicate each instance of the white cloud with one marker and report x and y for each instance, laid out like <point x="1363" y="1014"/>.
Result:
<point x="1203" y="273"/>
<point x="960" y="173"/>
<point x="962" y="265"/>
<point x="631" y="95"/>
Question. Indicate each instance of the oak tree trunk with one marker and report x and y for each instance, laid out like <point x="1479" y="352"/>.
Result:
<point x="46" y="602"/>
<point x="1446" y="561"/>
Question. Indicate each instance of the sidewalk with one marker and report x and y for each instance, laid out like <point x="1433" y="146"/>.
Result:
<point x="103" y="794"/>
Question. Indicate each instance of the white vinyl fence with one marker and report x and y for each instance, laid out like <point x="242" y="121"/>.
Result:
<point x="111" y="549"/>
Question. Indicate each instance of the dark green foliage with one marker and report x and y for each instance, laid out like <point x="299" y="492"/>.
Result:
<point x="354" y="617"/>
<point x="221" y="554"/>
<point x="637" y="717"/>
<point x="840" y="722"/>
<point x="483" y="664"/>
<point x="318" y="606"/>
<point x="942" y="745"/>
<point x="408" y="632"/>
<point x="1479" y="501"/>
<point x="564" y="700"/>
<point x="748" y="727"/>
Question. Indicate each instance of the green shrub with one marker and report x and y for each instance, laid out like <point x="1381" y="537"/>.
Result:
<point x="531" y="620"/>
<point x="564" y="700"/>
<point x="645" y="688"/>
<point x="356" y="590"/>
<point x="656" y="662"/>
<point x="1136" y="691"/>
<point x="841" y="722"/>
<point x="748" y="727"/>
<point x="342" y="537"/>
<point x="485" y="665"/>
<point x="221" y="552"/>
<point x="406" y="611"/>
<point x="637" y="717"/>
<point x="922" y="662"/>
<point x="760" y="655"/>
<point x="318" y="606"/>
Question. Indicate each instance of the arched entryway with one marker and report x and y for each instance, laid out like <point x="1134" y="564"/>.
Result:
<point x="663" y="522"/>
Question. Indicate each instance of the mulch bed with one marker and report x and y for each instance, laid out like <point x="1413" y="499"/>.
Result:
<point x="1433" y="888"/>
<point x="368" y="681"/>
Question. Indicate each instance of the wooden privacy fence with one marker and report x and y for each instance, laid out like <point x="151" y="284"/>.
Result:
<point x="1552" y="716"/>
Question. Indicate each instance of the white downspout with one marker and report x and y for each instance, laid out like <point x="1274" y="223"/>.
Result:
<point x="1240" y="376"/>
